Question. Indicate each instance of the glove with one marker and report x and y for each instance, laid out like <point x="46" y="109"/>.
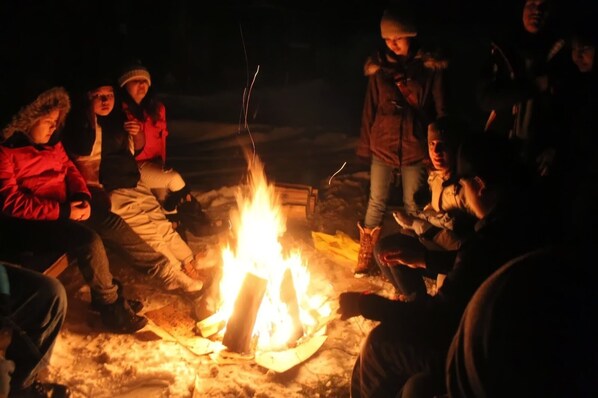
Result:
<point x="420" y="226"/>
<point x="349" y="305"/>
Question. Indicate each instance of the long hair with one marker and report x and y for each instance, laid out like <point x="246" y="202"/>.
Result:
<point x="150" y="105"/>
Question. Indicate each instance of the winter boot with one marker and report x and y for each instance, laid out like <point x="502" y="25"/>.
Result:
<point x="135" y="305"/>
<point x="120" y="318"/>
<point x="190" y="270"/>
<point x="368" y="237"/>
<point x="174" y="278"/>
<point x="174" y="199"/>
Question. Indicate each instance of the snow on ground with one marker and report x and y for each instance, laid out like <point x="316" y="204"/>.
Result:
<point x="162" y="359"/>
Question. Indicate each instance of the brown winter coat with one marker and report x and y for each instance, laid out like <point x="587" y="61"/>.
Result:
<point x="391" y="129"/>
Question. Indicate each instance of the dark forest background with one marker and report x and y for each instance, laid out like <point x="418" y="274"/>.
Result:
<point x="200" y="48"/>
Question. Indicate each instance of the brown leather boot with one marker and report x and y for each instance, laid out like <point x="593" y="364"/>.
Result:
<point x="368" y="237"/>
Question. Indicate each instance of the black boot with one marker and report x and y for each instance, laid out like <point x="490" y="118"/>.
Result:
<point x="175" y="198"/>
<point x="135" y="305"/>
<point x="118" y="317"/>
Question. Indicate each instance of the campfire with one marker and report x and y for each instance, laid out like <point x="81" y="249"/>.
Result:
<point x="265" y="303"/>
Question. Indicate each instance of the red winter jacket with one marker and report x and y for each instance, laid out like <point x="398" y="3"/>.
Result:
<point x="155" y="134"/>
<point x="38" y="182"/>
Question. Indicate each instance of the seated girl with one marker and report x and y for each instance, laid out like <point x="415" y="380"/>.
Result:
<point x="45" y="203"/>
<point x="107" y="159"/>
<point x="146" y="116"/>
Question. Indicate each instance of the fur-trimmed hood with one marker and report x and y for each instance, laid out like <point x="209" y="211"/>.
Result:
<point x="431" y="60"/>
<point x="44" y="103"/>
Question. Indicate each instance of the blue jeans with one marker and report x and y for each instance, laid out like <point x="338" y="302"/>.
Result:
<point x="37" y="311"/>
<point x="413" y="179"/>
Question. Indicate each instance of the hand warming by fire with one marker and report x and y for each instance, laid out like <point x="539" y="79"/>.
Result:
<point x="263" y="297"/>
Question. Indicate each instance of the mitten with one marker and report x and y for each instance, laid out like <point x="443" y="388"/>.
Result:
<point x="349" y="305"/>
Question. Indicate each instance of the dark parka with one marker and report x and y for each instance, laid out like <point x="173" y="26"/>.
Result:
<point x="391" y="128"/>
<point x="516" y="108"/>
<point x="118" y="168"/>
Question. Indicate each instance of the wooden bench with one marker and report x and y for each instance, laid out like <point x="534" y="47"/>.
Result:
<point x="50" y="264"/>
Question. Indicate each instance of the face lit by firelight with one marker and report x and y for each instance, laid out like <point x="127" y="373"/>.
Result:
<point x="583" y="56"/>
<point x="137" y="89"/>
<point x="440" y="154"/>
<point x="399" y="45"/>
<point x="535" y="15"/>
<point x="102" y="100"/>
<point x="44" y="127"/>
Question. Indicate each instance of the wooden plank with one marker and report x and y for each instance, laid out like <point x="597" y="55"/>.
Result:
<point x="298" y="195"/>
<point x="288" y="295"/>
<point x="58" y="267"/>
<point x="240" y="325"/>
<point x="48" y="263"/>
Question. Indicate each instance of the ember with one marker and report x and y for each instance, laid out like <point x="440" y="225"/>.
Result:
<point x="264" y="291"/>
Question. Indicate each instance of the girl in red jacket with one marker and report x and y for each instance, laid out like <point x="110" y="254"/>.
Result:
<point x="146" y="115"/>
<point x="44" y="203"/>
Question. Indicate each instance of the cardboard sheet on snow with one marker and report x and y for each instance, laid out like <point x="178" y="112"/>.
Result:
<point x="171" y="322"/>
<point x="339" y="245"/>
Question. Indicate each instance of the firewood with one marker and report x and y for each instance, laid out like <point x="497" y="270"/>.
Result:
<point x="288" y="295"/>
<point x="240" y="325"/>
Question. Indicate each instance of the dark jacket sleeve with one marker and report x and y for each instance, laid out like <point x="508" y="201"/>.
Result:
<point x="439" y="93"/>
<point x="367" y="118"/>
<point x="499" y="87"/>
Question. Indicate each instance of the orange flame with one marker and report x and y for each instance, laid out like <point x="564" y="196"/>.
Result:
<point x="258" y="224"/>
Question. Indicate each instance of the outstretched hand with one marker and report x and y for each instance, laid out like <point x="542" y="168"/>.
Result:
<point x="349" y="305"/>
<point x="412" y="257"/>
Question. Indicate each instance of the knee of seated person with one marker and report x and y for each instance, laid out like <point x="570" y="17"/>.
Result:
<point x="51" y="290"/>
<point x="85" y="236"/>
<point x="176" y="182"/>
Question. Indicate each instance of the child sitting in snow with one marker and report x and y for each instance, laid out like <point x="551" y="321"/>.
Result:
<point x="443" y="224"/>
<point x="146" y="116"/>
<point x="101" y="150"/>
<point x="104" y="151"/>
<point x="45" y="203"/>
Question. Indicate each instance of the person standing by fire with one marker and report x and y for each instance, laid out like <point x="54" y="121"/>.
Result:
<point x="404" y="95"/>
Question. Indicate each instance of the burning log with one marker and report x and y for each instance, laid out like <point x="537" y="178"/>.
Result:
<point x="240" y="325"/>
<point x="288" y="295"/>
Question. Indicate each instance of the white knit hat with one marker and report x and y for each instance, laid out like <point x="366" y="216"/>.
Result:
<point x="134" y="72"/>
<point x="397" y="24"/>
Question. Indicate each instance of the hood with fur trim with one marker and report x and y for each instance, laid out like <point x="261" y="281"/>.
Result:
<point x="44" y="103"/>
<point x="381" y="59"/>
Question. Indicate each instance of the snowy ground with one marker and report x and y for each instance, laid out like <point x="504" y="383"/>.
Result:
<point x="163" y="359"/>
